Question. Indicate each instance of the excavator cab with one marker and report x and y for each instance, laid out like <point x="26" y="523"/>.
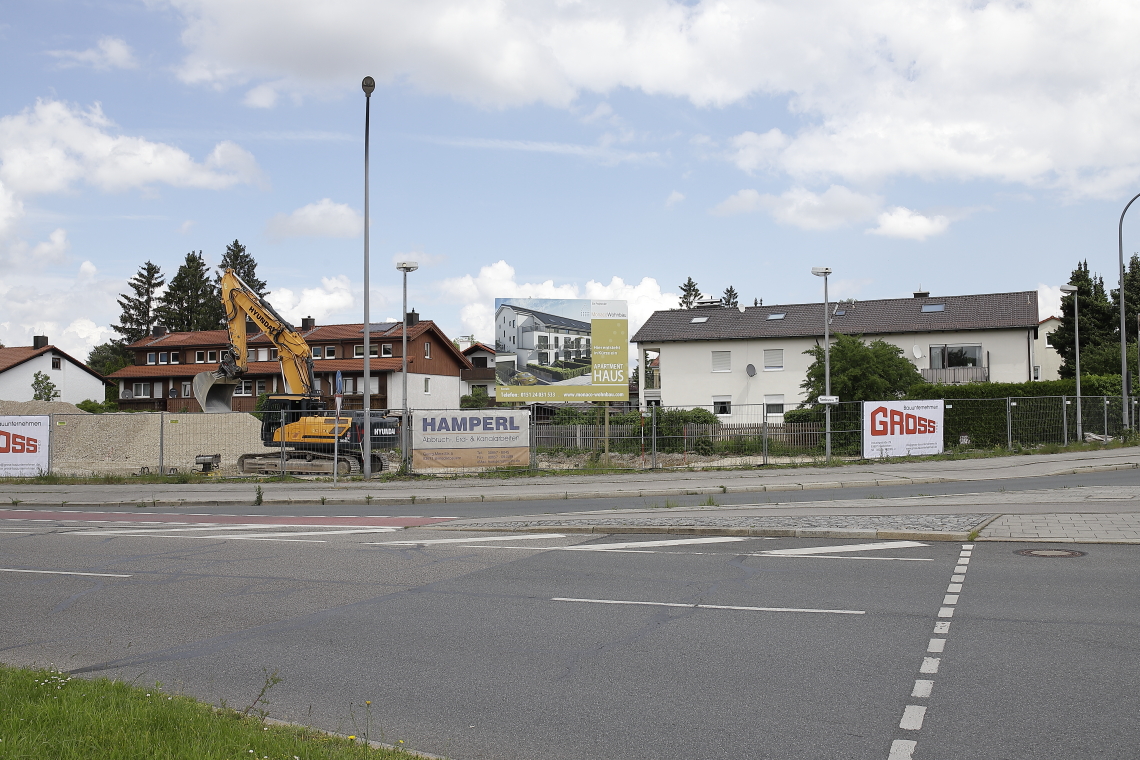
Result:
<point x="292" y="410"/>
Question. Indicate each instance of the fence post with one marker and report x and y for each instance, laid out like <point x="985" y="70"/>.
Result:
<point x="1065" y="418"/>
<point x="1106" y="418"/>
<point x="653" y="415"/>
<point x="282" y="433"/>
<point x="161" y="441"/>
<point x="533" y="441"/>
<point x="1009" y="424"/>
<point x="51" y="443"/>
<point x="764" y="436"/>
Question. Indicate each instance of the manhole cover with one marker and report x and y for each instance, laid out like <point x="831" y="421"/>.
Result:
<point x="1050" y="553"/>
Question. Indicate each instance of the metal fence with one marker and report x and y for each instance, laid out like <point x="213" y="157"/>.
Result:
<point x="654" y="438"/>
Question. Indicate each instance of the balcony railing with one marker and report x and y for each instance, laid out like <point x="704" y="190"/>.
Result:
<point x="478" y="375"/>
<point x="956" y="375"/>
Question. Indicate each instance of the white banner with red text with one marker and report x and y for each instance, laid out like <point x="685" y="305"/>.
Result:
<point x="902" y="428"/>
<point x="24" y="451"/>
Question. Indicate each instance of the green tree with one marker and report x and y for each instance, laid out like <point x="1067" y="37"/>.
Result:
<point x="1099" y="321"/>
<point x="690" y="292"/>
<point x="860" y="371"/>
<point x="138" y="310"/>
<point x="477" y="400"/>
<point x="109" y="357"/>
<point x="1131" y="305"/>
<point x="43" y="389"/>
<point x="730" y="298"/>
<point x="238" y="259"/>
<point x="191" y="301"/>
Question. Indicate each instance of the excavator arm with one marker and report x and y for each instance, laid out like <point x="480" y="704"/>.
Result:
<point x="214" y="390"/>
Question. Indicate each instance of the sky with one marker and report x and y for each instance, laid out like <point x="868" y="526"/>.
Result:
<point x="563" y="149"/>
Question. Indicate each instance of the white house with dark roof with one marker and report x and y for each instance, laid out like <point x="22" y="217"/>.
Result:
<point x="74" y="380"/>
<point x="726" y="358"/>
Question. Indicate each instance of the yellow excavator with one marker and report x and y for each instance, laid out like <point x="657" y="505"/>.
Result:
<point x="298" y="417"/>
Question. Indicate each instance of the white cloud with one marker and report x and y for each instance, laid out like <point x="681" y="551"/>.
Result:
<point x="321" y="219"/>
<point x="674" y="198"/>
<point x="334" y="296"/>
<point x="961" y="89"/>
<point x="425" y="260"/>
<point x="803" y="208"/>
<point x="64" y="308"/>
<point x="262" y="96"/>
<point x="185" y="226"/>
<point x="900" y="222"/>
<point x="109" y="53"/>
<point x="1049" y="300"/>
<point x="602" y="153"/>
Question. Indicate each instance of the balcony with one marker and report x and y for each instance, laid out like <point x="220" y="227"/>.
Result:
<point x="478" y="376"/>
<point x="956" y="375"/>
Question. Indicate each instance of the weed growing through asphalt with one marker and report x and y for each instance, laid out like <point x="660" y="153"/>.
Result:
<point x="709" y="502"/>
<point x="271" y="680"/>
<point x="258" y="497"/>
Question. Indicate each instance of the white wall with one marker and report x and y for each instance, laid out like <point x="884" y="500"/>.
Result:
<point x="73" y="383"/>
<point x="1045" y="356"/>
<point x="445" y="391"/>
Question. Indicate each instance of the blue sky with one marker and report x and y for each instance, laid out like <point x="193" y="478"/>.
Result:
<point x="559" y="150"/>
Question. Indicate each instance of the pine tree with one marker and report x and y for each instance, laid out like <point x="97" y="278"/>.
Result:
<point x="1099" y="322"/>
<point x="690" y="293"/>
<point x="237" y="259"/>
<point x="1131" y="302"/>
<point x="730" y="298"/>
<point x="191" y="302"/>
<point x="138" y="315"/>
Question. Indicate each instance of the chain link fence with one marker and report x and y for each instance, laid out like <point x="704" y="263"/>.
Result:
<point x="655" y="438"/>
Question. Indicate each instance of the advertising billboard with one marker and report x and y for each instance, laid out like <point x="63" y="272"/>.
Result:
<point x="470" y="438"/>
<point x="551" y="350"/>
<point x="24" y="451"/>
<point x="902" y="428"/>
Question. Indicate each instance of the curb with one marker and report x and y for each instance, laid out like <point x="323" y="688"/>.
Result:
<point x="696" y="530"/>
<point x="372" y="744"/>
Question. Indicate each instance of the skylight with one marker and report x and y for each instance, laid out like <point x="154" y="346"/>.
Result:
<point x="840" y="312"/>
<point x="929" y="307"/>
<point x="778" y="315"/>
<point x="698" y="320"/>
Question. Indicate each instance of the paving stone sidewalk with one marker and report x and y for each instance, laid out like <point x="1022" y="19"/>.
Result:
<point x="1075" y="528"/>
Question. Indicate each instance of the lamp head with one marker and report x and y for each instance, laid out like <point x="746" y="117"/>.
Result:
<point x="1068" y="288"/>
<point x="368" y="85"/>
<point x="407" y="266"/>
<point x="821" y="271"/>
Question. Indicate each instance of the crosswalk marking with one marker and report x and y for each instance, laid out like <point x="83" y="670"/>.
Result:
<point x="708" y="606"/>
<point x="527" y="537"/>
<point x="654" y="544"/>
<point x="844" y="548"/>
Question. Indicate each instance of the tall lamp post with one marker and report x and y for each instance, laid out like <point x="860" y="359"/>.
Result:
<point x="1123" y="335"/>
<point x="824" y="272"/>
<point x="1077" y="345"/>
<point x="405" y="444"/>
<point x="368" y="85"/>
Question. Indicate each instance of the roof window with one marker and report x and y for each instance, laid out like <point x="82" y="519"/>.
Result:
<point x="929" y="307"/>
<point x="698" y="320"/>
<point x="840" y="312"/>
<point x="778" y="315"/>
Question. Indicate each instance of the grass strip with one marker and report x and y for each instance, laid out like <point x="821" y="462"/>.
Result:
<point x="49" y="715"/>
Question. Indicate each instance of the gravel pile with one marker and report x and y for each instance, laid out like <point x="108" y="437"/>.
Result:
<point x="124" y="443"/>
<point x="38" y="407"/>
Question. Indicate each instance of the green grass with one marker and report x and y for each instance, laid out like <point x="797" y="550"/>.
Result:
<point x="48" y="715"/>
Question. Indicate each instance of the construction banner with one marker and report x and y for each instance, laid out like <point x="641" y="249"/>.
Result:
<point x="24" y="451"/>
<point x="902" y="428"/>
<point x="470" y="438"/>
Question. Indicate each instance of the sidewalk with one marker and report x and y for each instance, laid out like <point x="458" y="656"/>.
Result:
<point x="634" y="484"/>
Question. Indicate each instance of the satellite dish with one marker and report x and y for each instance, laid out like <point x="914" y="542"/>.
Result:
<point x="172" y="393"/>
<point x="751" y="370"/>
<point x="741" y="307"/>
<point x="128" y="393"/>
<point x="917" y="352"/>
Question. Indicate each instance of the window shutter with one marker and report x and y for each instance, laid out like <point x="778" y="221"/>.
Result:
<point x="721" y="361"/>
<point x="773" y="358"/>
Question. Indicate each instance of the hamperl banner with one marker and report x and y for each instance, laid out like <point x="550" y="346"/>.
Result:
<point x="24" y="448"/>
<point x="902" y="428"/>
<point x="470" y="438"/>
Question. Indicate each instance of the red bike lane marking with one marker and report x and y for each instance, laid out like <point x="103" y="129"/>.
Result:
<point x="126" y="517"/>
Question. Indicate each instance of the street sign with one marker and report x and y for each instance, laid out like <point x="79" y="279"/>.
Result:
<point x="339" y="384"/>
<point x="828" y="400"/>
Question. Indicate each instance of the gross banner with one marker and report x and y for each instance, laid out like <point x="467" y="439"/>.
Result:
<point x="470" y="438"/>
<point x="902" y="428"/>
<point x="24" y="448"/>
<point x="551" y="349"/>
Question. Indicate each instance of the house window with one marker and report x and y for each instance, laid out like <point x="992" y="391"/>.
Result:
<point x="142" y="390"/>
<point x="722" y="404"/>
<point x="273" y="354"/>
<point x="251" y="354"/>
<point x="162" y="357"/>
<point x="186" y="390"/>
<point x="722" y="361"/>
<point x="427" y="350"/>
<point x="56" y="362"/>
<point x="263" y="354"/>
<point x="1036" y="371"/>
<point x="927" y="308"/>
<point x="174" y="357"/>
<point x="330" y="352"/>
<point x="317" y="352"/>
<point x="479" y="362"/>
<point x="698" y="320"/>
<point x="780" y="315"/>
<point x="260" y="387"/>
<point x="200" y="357"/>
<point x="773" y="359"/>
<point x="427" y="385"/>
<point x="150" y="358"/>
<point x="943" y="357"/>
<point x="213" y="356"/>
<point x="358" y="351"/>
<point x="774" y="404"/>
<point x="244" y="388"/>
<point x="386" y="349"/>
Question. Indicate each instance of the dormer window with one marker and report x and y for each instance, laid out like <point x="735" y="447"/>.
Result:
<point x="778" y="315"/>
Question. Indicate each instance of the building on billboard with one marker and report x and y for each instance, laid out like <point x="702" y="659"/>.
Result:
<point x="535" y="337"/>
<point x="721" y="358"/>
<point x="74" y="380"/>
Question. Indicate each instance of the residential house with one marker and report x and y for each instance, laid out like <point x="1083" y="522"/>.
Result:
<point x="482" y="374"/>
<point x="1048" y="361"/>
<point x="165" y="365"/>
<point x="725" y="358"/>
<point x="74" y="380"/>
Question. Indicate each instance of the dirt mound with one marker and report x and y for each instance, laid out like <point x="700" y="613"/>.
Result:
<point x="38" y="407"/>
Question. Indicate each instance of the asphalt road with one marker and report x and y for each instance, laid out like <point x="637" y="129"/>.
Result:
<point x="534" y="647"/>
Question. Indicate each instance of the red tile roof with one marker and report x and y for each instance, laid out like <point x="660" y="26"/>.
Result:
<point x="16" y="355"/>
<point x="478" y="347"/>
<point x="260" y="369"/>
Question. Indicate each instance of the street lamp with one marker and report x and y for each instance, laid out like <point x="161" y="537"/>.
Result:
<point x="824" y="272"/>
<point x="368" y="85"/>
<point x="1123" y="335"/>
<point x="405" y="267"/>
<point x="1077" y="345"/>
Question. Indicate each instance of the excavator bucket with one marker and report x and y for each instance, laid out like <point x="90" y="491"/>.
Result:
<point x="214" y="394"/>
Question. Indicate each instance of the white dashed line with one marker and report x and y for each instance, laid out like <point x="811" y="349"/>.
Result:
<point x="954" y="588"/>
<point x="62" y="572"/>
<point x="912" y="717"/>
<point x="936" y="645"/>
<point x="930" y="664"/>
<point x="946" y="612"/>
<point x="942" y="626"/>
<point x="902" y="749"/>
<point x="922" y="688"/>
<point x="708" y="606"/>
<point x="950" y="599"/>
<point x="433" y="541"/>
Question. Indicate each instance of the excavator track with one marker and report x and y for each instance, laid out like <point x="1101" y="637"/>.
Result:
<point x="304" y="463"/>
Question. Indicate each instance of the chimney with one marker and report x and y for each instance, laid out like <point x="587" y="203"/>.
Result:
<point x="413" y="318"/>
<point x="39" y="341"/>
<point x="308" y="323"/>
<point x="157" y="331"/>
